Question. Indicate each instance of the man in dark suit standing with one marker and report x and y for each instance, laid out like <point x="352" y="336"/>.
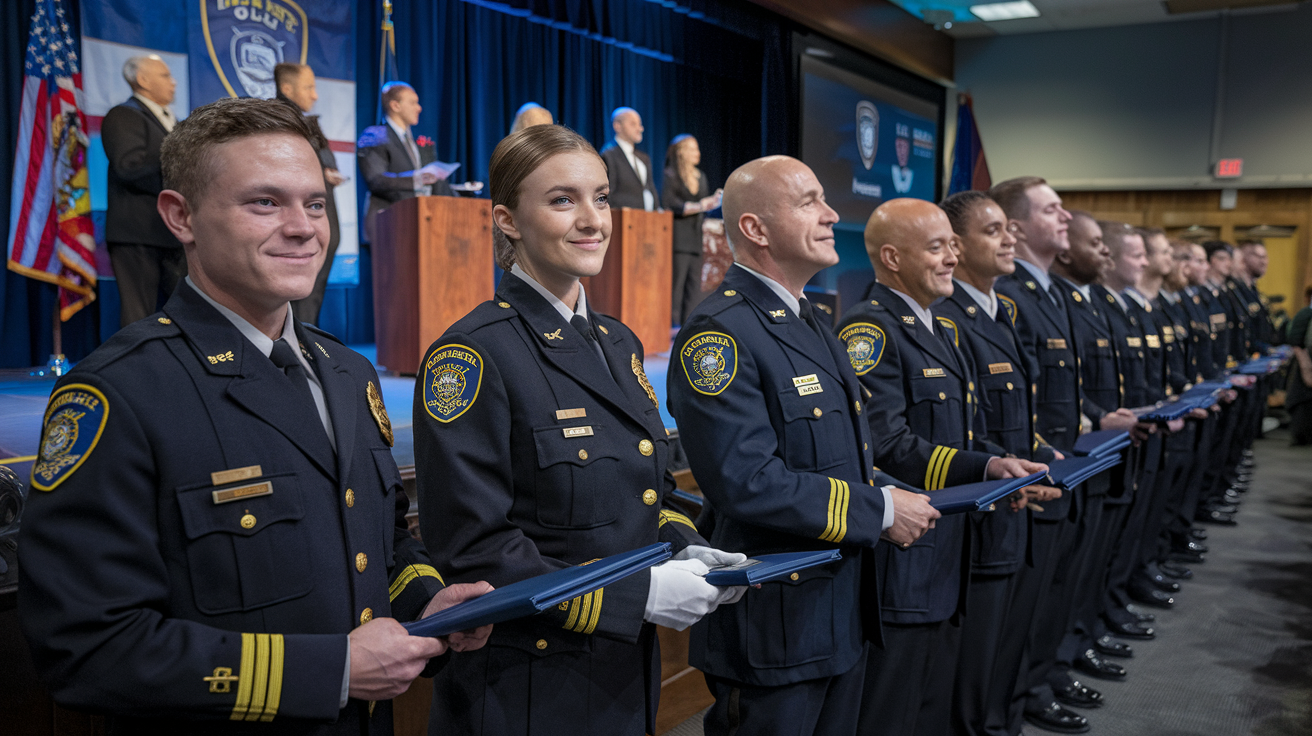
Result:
<point x="146" y="257"/>
<point x="632" y="183"/>
<point x="296" y="88"/>
<point x="390" y="156"/>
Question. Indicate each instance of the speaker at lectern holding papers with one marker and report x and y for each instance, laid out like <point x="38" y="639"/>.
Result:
<point x="539" y="447"/>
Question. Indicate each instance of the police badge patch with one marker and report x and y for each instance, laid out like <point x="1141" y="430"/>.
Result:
<point x="710" y="362"/>
<point x="379" y="411"/>
<point x="865" y="346"/>
<point x="74" y="420"/>
<point x="636" y="365"/>
<point x="452" y="377"/>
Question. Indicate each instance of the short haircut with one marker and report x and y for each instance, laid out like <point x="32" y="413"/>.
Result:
<point x="1212" y="247"/>
<point x="1013" y="196"/>
<point x="961" y="205"/>
<point x="1247" y="243"/>
<point x="1084" y="214"/>
<point x="619" y="112"/>
<point x="287" y="72"/>
<point x="516" y="157"/>
<point x="1114" y="235"/>
<point x="186" y="153"/>
<point x="392" y="93"/>
<point x="132" y="67"/>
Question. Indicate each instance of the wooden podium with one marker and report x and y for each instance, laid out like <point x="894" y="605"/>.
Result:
<point x="634" y="285"/>
<point x="432" y="262"/>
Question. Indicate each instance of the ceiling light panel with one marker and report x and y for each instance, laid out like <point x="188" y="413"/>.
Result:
<point x="1005" y="11"/>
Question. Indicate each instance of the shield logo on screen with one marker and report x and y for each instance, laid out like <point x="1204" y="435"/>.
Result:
<point x="257" y="38"/>
<point x="254" y="55"/>
<point x="867" y="132"/>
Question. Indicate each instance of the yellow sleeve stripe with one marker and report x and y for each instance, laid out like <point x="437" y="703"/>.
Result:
<point x="839" y="493"/>
<point x="936" y="474"/>
<point x="574" y="607"/>
<point x="669" y="516"/>
<point x="596" y="611"/>
<point x="259" y="689"/>
<point x="408" y="575"/>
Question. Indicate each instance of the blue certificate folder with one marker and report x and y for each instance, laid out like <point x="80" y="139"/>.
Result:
<point x="1073" y="471"/>
<point x="532" y="596"/>
<point x="765" y="568"/>
<point x="1102" y="442"/>
<point x="978" y="496"/>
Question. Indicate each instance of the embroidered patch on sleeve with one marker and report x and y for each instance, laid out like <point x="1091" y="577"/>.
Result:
<point x="452" y="377"/>
<point x="865" y="345"/>
<point x="75" y="418"/>
<point x="710" y="362"/>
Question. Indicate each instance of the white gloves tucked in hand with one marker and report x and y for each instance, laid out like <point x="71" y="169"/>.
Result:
<point x="679" y="596"/>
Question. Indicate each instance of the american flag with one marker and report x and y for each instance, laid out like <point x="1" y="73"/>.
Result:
<point x="51" y="236"/>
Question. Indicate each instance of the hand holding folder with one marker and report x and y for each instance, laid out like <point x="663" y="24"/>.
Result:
<point x="768" y="568"/>
<point x="979" y="496"/>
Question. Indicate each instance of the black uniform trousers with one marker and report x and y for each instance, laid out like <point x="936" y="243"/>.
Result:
<point x="1089" y="581"/>
<point x="1176" y="464"/>
<point x="146" y="276"/>
<point x="984" y="696"/>
<point x="1034" y="592"/>
<point x="1126" y="554"/>
<point x="916" y="652"/>
<point x="741" y="709"/>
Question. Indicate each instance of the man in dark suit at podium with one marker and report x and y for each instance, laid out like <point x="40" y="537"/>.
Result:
<point x="391" y="156"/>
<point x="632" y="183"/>
<point x="145" y="255"/>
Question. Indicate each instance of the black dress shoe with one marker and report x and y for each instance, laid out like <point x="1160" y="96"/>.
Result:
<point x="1058" y="719"/>
<point x="1132" y="630"/>
<point x="1175" y="570"/>
<point x="1091" y="664"/>
<point x="1194" y="547"/>
<point x="1233" y="497"/>
<point x="1225" y="508"/>
<point x="1109" y="647"/>
<point x="1078" y="696"/>
<point x="1143" y="618"/>
<point x="1212" y="516"/>
<point x="1191" y="558"/>
<point x="1198" y="535"/>
<point x="1150" y="596"/>
<point x="1160" y="581"/>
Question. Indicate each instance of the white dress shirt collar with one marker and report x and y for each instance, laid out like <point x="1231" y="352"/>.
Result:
<point x="1134" y="294"/>
<point x="581" y="308"/>
<point x="1039" y="274"/>
<point x="792" y="302"/>
<point x="988" y="302"/>
<point x="163" y="114"/>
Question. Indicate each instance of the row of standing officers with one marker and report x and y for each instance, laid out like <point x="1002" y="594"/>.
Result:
<point x="241" y="557"/>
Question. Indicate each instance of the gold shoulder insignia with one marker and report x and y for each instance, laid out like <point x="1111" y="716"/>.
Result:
<point x="1031" y="285"/>
<point x="553" y="335"/>
<point x="642" y="379"/>
<point x="909" y="319"/>
<point x="1076" y="296"/>
<point x="75" y="418"/>
<point x="380" y="413"/>
<point x="777" y="313"/>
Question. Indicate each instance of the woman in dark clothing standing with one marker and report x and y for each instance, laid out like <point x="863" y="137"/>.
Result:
<point x="685" y="194"/>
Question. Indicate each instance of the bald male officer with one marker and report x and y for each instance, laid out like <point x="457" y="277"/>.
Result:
<point x="216" y="542"/>
<point x="923" y="420"/>
<point x="771" y="415"/>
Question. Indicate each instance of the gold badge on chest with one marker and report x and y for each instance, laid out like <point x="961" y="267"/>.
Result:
<point x="380" y="413"/>
<point x="642" y="379"/>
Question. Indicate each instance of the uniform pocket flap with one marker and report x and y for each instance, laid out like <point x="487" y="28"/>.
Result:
<point x="930" y="389"/>
<point x="1003" y="382"/>
<point x="811" y="406"/>
<point x="249" y="512"/>
<point x="554" y="447"/>
<point x="540" y="641"/>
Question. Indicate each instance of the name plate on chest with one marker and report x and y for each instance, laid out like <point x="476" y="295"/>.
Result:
<point x="809" y="384"/>
<point x="571" y="413"/>
<point x="1056" y="343"/>
<point x="1103" y="342"/>
<point x="244" y="492"/>
<point x="1134" y="342"/>
<point x="933" y="372"/>
<point x="235" y="475"/>
<point x="996" y="368"/>
<point x="1153" y="341"/>
<point x="577" y="431"/>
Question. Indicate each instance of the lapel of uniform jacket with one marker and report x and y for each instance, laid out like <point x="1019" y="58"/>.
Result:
<point x="780" y="321"/>
<point x="257" y="385"/>
<point x="928" y="342"/>
<point x="1042" y="304"/>
<point x="564" y="347"/>
<point x="340" y="394"/>
<point x="993" y="333"/>
<point x="622" y="367"/>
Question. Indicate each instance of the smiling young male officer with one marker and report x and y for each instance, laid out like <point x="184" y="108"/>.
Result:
<point x="217" y="537"/>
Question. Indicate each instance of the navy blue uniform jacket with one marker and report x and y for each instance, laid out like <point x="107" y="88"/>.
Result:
<point x="787" y="466"/>
<point x="531" y="456"/>
<point x="163" y="582"/>
<point x="921" y="413"/>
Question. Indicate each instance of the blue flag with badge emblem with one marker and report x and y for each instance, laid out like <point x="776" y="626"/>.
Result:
<point x="452" y="377"/>
<point x="865" y="346"/>
<point x="75" y="418"/>
<point x="710" y="362"/>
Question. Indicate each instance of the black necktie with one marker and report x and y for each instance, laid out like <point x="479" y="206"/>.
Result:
<point x="284" y="356"/>
<point x="584" y="328"/>
<point x="807" y="313"/>
<point x="1056" y="297"/>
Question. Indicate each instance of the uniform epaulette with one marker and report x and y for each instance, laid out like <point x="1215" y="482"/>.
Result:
<point x="374" y="135"/>
<point x="123" y="342"/>
<point x="484" y="314"/>
<point x="718" y="301"/>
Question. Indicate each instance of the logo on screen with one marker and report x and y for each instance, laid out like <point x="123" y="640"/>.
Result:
<point x="867" y="132"/>
<point x="257" y="37"/>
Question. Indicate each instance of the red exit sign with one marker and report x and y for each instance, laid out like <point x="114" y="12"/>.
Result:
<point x="1230" y="168"/>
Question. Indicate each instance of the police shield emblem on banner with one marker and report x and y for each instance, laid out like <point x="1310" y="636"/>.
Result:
<point x="246" y="39"/>
<point x="867" y="132"/>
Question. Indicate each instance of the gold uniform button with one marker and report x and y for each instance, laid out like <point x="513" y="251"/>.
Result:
<point x="794" y="577"/>
<point x="350" y="498"/>
<point x="649" y="497"/>
<point x="970" y="435"/>
<point x="858" y="407"/>
<point x="645" y="447"/>
<point x="366" y="616"/>
<point x="542" y="644"/>
<point x="970" y="386"/>
<point x="865" y="445"/>
<point x="361" y="562"/>
<point x="816" y="411"/>
<point x="1061" y="363"/>
<point x="1009" y="386"/>
<point x="583" y="454"/>
<point x="165" y="321"/>
<point x="942" y="396"/>
<point x="248" y="522"/>
<point x="730" y="292"/>
<point x="503" y="305"/>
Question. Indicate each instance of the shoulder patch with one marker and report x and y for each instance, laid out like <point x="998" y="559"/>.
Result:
<point x="75" y="417"/>
<point x="951" y="327"/>
<point x="1010" y="305"/>
<point x="322" y="333"/>
<point x="710" y="362"/>
<point x="865" y="345"/>
<point x="452" y="376"/>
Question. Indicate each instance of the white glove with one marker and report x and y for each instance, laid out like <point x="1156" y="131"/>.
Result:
<point x="712" y="557"/>
<point x="679" y="595"/>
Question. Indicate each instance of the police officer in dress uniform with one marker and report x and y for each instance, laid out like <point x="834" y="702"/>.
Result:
<point x="1043" y="325"/>
<point x="772" y="417"/>
<point x="993" y="629"/>
<point x="218" y="543"/>
<point x="923" y="421"/>
<point x="539" y="445"/>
